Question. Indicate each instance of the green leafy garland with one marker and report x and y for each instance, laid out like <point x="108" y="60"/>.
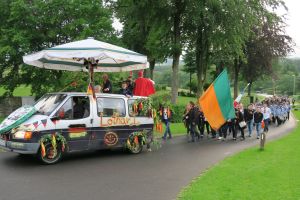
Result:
<point x="136" y="138"/>
<point x="146" y="108"/>
<point x="140" y="138"/>
<point x="53" y="139"/>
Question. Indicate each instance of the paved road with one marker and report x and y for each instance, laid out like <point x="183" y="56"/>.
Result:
<point x="114" y="175"/>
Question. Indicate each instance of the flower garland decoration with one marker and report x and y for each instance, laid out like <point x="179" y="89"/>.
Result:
<point x="140" y="137"/>
<point x="53" y="139"/>
<point x="144" y="106"/>
<point x="135" y="139"/>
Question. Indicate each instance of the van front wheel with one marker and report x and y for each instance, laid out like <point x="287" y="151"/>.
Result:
<point x="52" y="155"/>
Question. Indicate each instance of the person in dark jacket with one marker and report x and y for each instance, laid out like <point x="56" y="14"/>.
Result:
<point x="201" y="122"/>
<point x="231" y="126"/>
<point x="107" y="88"/>
<point x="78" y="109"/>
<point x="124" y="90"/>
<point x="258" y="118"/>
<point x="130" y="83"/>
<point x="248" y="115"/>
<point x="239" y="119"/>
<point x="186" y="119"/>
<point x="193" y="116"/>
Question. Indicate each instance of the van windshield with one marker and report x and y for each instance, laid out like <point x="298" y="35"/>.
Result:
<point x="47" y="104"/>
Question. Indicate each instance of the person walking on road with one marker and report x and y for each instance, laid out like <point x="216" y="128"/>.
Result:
<point x="248" y="115"/>
<point x="186" y="119"/>
<point x="166" y="118"/>
<point x="193" y="116"/>
<point x="258" y="118"/>
<point x="240" y="120"/>
<point x="267" y="116"/>
<point x="201" y="122"/>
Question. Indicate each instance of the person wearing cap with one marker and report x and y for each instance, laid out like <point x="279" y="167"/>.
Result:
<point x="143" y="86"/>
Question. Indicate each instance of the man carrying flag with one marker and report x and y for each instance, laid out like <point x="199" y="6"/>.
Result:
<point x="217" y="103"/>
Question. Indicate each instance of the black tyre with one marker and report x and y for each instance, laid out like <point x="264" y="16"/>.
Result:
<point x="51" y="156"/>
<point x="136" y="148"/>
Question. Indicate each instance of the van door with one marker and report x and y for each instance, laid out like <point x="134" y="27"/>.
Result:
<point x="112" y="122"/>
<point x="75" y="122"/>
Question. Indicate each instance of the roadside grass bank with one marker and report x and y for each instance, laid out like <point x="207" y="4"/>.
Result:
<point x="177" y="129"/>
<point x="253" y="174"/>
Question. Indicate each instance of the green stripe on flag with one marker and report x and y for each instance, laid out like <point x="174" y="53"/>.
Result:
<point x="222" y="90"/>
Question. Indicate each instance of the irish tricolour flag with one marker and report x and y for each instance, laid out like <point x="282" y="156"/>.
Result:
<point x="217" y="103"/>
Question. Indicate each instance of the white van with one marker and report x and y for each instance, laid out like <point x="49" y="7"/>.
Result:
<point x="69" y="122"/>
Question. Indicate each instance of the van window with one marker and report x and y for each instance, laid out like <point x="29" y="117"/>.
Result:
<point x="131" y="111"/>
<point x="108" y="107"/>
<point x="75" y="108"/>
<point x="49" y="102"/>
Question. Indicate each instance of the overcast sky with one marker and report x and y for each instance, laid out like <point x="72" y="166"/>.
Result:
<point x="293" y="29"/>
<point x="293" y="23"/>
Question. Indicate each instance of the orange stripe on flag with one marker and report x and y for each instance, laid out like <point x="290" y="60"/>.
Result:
<point x="211" y="109"/>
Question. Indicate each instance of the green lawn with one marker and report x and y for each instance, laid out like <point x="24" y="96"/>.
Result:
<point x="185" y="100"/>
<point x="253" y="174"/>
<point x="176" y="130"/>
<point x="1" y="119"/>
<point x="19" y="91"/>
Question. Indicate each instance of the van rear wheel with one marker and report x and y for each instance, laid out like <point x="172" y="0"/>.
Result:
<point x="136" y="148"/>
<point x="52" y="155"/>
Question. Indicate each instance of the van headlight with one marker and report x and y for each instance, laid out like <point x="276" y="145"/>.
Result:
<point x="26" y="135"/>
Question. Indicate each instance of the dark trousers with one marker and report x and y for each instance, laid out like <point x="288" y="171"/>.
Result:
<point x="242" y="132"/>
<point x="213" y="133"/>
<point x="188" y="128"/>
<point x="267" y="122"/>
<point x="201" y="128"/>
<point x="207" y="126"/>
<point x="231" y="127"/>
<point x="278" y="120"/>
<point x="194" y="132"/>
<point x="223" y="131"/>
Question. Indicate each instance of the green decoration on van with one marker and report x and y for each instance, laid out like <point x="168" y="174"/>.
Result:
<point x="53" y="139"/>
<point x="16" y="118"/>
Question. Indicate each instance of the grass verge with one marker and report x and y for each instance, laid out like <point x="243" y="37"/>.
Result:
<point x="253" y="174"/>
<point x="176" y="130"/>
<point x="20" y="91"/>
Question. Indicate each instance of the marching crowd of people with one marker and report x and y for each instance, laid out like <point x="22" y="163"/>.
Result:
<point x="256" y="117"/>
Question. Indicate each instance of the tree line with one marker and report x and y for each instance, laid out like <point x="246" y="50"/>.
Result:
<point x="244" y="36"/>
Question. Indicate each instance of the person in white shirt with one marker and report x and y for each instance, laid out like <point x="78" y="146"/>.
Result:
<point x="267" y="116"/>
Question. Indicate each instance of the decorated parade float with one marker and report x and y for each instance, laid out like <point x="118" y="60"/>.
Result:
<point x="65" y="122"/>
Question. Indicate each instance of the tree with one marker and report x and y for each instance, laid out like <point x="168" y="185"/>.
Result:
<point x="217" y="30"/>
<point x="189" y="65"/>
<point x="269" y="42"/>
<point x="30" y="26"/>
<point x="142" y="32"/>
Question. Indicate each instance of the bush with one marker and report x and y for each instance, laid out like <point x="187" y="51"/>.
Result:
<point x="178" y="111"/>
